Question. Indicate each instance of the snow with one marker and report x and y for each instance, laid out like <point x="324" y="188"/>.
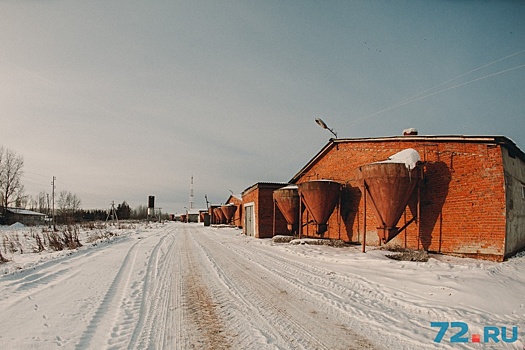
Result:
<point x="16" y="225"/>
<point x="408" y="156"/>
<point x="180" y="286"/>
<point x="24" y="212"/>
<point x="410" y="131"/>
<point x="289" y="187"/>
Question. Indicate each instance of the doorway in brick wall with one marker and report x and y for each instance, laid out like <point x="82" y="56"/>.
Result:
<point x="249" y="219"/>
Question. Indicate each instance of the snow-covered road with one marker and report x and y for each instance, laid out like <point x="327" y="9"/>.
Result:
<point x="174" y="287"/>
<point x="184" y="286"/>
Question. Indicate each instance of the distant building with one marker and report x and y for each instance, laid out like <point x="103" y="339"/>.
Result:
<point x="193" y="215"/>
<point x="258" y="211"/>
<point x="23" y="216"/>
<point x="236" y="200"/>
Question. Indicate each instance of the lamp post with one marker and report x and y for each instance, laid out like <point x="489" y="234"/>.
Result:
<point x="323" y="125"/>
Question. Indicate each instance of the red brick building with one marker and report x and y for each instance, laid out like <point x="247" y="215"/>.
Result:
<point x="258" y="211"/>
<point x="236" y="200"/>
<point x="471" y="196"/>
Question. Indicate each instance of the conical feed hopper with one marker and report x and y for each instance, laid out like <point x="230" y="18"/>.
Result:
<point x="228" y="211"/>
<point x="287" y="200"/>
<point x="390" y="186"/>
<point x="320" y="198"/>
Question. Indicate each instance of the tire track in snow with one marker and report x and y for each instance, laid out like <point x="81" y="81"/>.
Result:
<point x="395" y="313"/>
<point x="48" y="274"/>
<point x="284" y="317"/>
<point x="387" y="313"/>
<point x="345" y="297"/>
<point x="98" y="329"/>
<point x="113" y="322"/>
<point x="204" y="329"/>
<point x="348" y="297"/>
<point x="23" y="293"/>
<point x="153" y="328"/>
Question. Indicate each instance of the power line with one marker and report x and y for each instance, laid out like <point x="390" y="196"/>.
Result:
<point x="462" y="75"/>
<point x="36" y="181"/>
<point x="415" y="97"/>
<point x="88" y="194"/>
<point x="33" y="181"/>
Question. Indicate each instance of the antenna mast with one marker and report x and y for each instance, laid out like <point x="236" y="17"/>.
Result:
<point x="191" y="193"/>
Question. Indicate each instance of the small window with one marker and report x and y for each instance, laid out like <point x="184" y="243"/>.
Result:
<point x="523" y="192"/>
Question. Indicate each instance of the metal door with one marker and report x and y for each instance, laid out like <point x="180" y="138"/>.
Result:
<point x="249" y="220"/>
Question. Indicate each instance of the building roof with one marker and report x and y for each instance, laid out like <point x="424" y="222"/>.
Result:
<point x="194" y="211"/>
<point x="236" y="196"/>
<point x="497" y="140"/>
<point x="19" y="211"/>
<point x="265" y="185"/>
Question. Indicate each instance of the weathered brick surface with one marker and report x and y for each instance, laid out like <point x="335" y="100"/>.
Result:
<point x="462" y="195"/>
<point x="261" y="195"/>
<point x="237" y="217"/>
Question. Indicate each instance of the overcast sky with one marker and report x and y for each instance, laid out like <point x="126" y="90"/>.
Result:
<point x="124" y="99"/>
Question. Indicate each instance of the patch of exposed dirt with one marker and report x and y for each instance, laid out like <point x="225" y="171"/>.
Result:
<point x="200" y="308"/>
<point x="282" y="239"/>
<point x="410" y="255"/>
<point x="320" y="241"/>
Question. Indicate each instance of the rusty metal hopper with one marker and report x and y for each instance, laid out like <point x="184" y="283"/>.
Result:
<point x="220" y="215"/>
<point x="390" y="186"/>
<point x="211" y="212"/>
<point x="216" y="217"/>
<point x="228" y="211"/>
<point x="320" y="197"/>
<point x="287" y="200"/>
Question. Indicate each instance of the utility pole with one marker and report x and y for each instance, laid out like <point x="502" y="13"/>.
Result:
<point x="112" y="212"/>
<point x="191" y="193"/>
<point x="48" y="205"/>
<point x="53" y="200"/>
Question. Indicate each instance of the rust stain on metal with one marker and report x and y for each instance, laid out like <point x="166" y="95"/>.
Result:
<point x="389" y="187"/>
<point x="320" y="198"/>
<point x="228" y="211"/>
<point x="287" y="200"/>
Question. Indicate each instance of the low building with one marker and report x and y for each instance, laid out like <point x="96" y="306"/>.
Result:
<point x="470" y="200"/>
<point x="192" y="215"/>
<point x="24" y="216"/>
<point x="260" y="216"/>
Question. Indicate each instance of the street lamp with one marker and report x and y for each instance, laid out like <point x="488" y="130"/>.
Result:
<point x="323" y="125"/>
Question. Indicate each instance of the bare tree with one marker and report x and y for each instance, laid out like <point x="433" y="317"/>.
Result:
<point x="43" y="203"/>
<point x="1" y="175"/>
<point x="139" y="212"/>
<point x="68" y="204"/>
<point x="11" y="189"/>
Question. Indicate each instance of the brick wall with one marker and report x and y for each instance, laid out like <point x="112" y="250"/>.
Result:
<point x="462" y="195"/>
<point x="237" y="217"/>
<point x="262" y="195"/>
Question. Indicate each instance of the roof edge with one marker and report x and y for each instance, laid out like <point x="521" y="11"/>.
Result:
<point x="264" y="185"/>
<point x="312" y="161"/>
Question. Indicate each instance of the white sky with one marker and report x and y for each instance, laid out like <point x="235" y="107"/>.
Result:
<point x="124" y="99"/>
